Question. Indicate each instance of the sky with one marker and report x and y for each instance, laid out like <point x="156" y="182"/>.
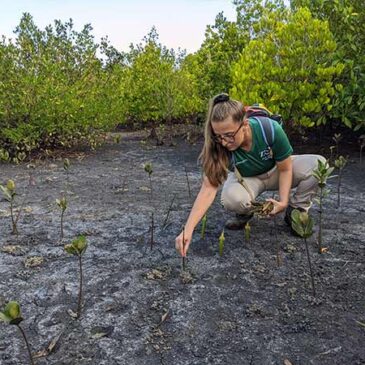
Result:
<point x="179" y="23"/>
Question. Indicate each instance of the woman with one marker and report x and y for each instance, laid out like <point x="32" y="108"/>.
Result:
<point x="236" y="152"/>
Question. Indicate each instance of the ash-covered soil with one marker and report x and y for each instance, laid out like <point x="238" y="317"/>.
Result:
<point x="240" y="308"/>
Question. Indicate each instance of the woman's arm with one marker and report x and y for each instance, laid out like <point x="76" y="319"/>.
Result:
<point x="285" y="169"/>
<point x="202" y="202"/>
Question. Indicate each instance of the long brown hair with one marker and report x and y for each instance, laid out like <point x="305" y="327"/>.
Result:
<point x="214" y="157"/>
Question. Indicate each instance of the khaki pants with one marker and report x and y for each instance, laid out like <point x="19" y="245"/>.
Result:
<point x="238" y="192"/>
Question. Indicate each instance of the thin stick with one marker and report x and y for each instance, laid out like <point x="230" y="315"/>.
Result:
<point x="27" y="343"/>
<point x="187" y="180"/>
<point x="310" y="267"/>
<point x="62" y="213"/>
<point x="169" y="210"/>
<point x="152" y="227"/>
<point x="79" y="303"/>
<point x="15" y="230"/>
<point x="320" y="223"/>
<point x="149" y="176"/>
<point x="183" y="244"/>
<point x="338" y="189"/>
<point x="278" y="256"/>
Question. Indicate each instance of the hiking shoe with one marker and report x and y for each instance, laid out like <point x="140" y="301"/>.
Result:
<point x="238" y="222"/>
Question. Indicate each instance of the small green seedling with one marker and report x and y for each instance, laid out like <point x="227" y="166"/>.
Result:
<point x="4" y="155"/>
<point x="77" y="248"/>
<point x="337" y="138"/>
<point x="221" y="243"/>
<point x="62" y="204"/>
<point x="117" y="138"/>
<point x="66" y="164"/>
<point x="322" y="174"/>
<point x="331" y="151"/>
<point x="9" y="194"/>
<point x="302" y="223"/>
<point x="148" y="168"/>
<point x="340" y="164"/>
<point x="247" y="232"/>
<point x="204" y="226"/>
<point x="12" y="315"/>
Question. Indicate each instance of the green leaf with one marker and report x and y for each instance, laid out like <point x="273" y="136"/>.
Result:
<point x="6" y="193"/>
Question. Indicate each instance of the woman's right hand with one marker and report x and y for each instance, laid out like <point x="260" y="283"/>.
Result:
<point x="181" y="247"/>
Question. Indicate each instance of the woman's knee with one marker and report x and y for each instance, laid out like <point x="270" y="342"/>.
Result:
<point x="235" y="199"/>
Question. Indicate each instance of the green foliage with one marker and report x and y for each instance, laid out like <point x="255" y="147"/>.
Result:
<point x="341" y="162"/>
<point x="155" y="87"/>
<point x="53" y="89"/>
<point x="289" y="67"/>
<point x="148" y="168"/>
<point x="247" y="232"/>
<point x="302" y="223"/>
<point x="346" y="19"/>
<point x="221" y="243"/>
<point x="322" y="173"/>
<point x="77" y="247"/>
<point x="62" y="203"/>
<point x="8" y="190"/>
<point x="211" y="64"/>
<point x="11" y="314"/>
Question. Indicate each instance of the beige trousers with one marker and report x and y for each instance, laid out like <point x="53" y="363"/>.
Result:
<point x="238" y="192"/>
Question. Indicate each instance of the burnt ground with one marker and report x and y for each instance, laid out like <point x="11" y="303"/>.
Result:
<point x="240" y="308"/>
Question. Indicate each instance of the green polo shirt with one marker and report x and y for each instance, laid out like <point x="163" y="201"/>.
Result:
<point x="261" y="158"/>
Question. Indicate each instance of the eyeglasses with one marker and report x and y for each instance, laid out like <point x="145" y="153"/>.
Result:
<point x="228" y="137"/>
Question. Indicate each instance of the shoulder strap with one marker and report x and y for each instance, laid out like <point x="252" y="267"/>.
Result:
<point x="267" y="129"/>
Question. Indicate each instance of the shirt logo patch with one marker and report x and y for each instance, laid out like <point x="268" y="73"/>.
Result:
<point x="266" y="154"/>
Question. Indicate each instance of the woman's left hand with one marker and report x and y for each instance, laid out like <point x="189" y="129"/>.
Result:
<point x="278" y="206"/>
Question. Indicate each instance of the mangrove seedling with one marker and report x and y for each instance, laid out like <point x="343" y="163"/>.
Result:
<point x="337" y="139"/>
<point x="302" y="223"/>
<point x="322" y="174"/>
<point x="331" y="153"/>
<point x="187" y="182"/>
<point x="204" y="226"/>
<point x="247" y="232"/>
<point x="149" y="170"/>
<point x="362" y="145"/>
<point x="12" y="315"/>
<point x="9" y="194"/>
<point x="66" y="164"/>
<point x="77" y="248"/>
<point x="66" y="167"/>
<point x="340" y="164"/>
<point x="62" y="204"/>
<point x="221" y="243"/>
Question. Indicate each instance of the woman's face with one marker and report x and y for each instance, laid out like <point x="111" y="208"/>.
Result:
<point x="229" y="133"/>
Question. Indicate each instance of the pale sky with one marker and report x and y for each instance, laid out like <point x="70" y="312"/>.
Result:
<point x="179" y="23"/>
